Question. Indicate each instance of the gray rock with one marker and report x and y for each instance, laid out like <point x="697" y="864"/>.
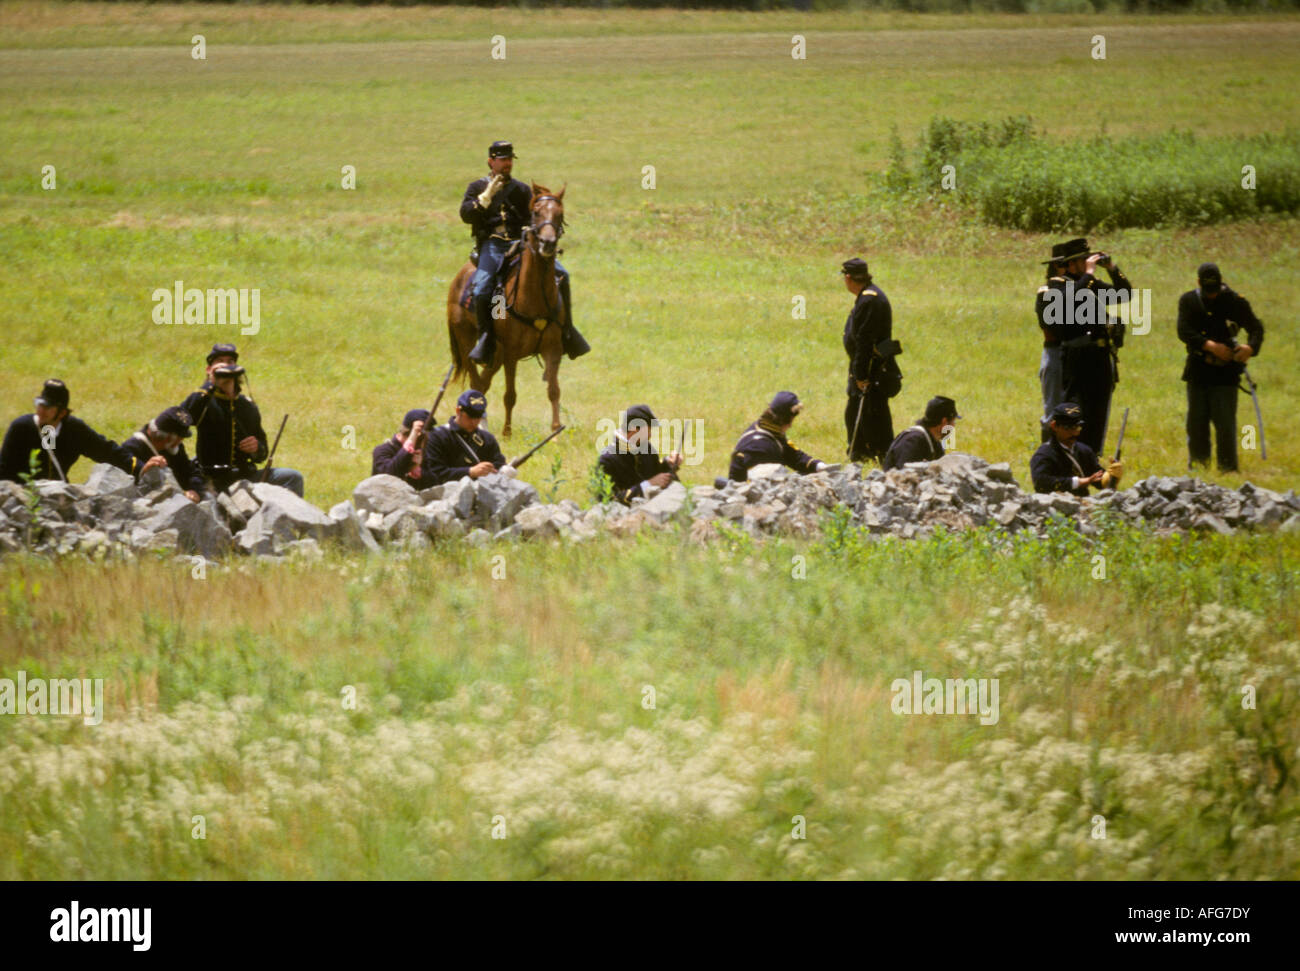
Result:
<point x="478" y="537"/>
<point x="108" y="479"/>
<point x="242" y="498"/>
<point x="306" y="548"/>
<point x="236" y="518"/>
<point x="350" y="531"/>
<point x="383" y="494"/>
<point x="1000" y="472"/>
<point x="196" y="526"/>
<point x="158" y="485"/>
<point x="290" y="517"/>
<point x="499" y="499"/>
<point x="1207" y="522"/>
<point x="440" y="521"/>
<point x="537" y="522"/>
<point x="256" y="538"/>
<point x="166" y="540"/>
<point x="668" y="502"/>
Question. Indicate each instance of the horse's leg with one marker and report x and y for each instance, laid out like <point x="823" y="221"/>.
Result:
<point x="551" y="375"/>
<point x="510" y="393"/>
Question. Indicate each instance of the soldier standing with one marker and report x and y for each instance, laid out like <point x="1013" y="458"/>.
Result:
<point x="1074" y="307"/>
<point x="1208" y="320"/>
<point x="874" y="377"/>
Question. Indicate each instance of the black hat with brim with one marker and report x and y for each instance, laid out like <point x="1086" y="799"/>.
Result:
<point x="501" y="150"/>
<point x="54" y="394"/>
<point x="641" y="413"/>
<point x="855" y="269"/>
<point x="414" y="415"/>
<point x="785" y="406"/>
<point x="222" y="350"/>
<point x="1071" y="249"/>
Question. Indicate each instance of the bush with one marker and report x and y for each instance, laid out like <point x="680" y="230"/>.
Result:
<point x="1017" y="178"/>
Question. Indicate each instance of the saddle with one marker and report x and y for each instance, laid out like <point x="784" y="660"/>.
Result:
<point x="508" y="264"/>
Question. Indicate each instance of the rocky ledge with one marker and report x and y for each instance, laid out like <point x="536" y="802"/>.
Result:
<point x="110" y="513"/>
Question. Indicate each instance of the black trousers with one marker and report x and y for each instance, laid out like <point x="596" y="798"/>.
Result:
<point x="875" y="432"/>
<point x="1089" y="380"/>
<point x="1217" y="405"/>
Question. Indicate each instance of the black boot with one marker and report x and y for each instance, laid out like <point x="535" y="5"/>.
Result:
<point x="575" y="345"/>
<point x="486" y="345"/>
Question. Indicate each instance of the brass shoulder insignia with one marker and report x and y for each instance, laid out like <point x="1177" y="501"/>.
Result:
<point x="1043" y="288"/>
<point x="871" y="292"/>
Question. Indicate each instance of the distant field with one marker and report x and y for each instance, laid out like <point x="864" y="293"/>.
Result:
<point x="226" y="173"/>
<point x="524" y="696"/>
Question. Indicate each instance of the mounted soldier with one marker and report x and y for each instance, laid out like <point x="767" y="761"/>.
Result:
<point x="497" y="209"/>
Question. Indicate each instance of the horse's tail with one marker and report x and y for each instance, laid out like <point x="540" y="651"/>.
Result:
<point x="457" y="375"/>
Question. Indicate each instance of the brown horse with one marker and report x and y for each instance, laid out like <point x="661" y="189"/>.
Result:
<point x="533" y="319"/>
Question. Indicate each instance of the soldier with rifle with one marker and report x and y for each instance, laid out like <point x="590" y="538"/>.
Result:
<point x="462" y="447"/>
<point x="1209" y="318"/>
<point x="1067" y="464"/>
<point x="403" y="454"/>
<point x="230" y="440"/>
<point x="632" y="463"/>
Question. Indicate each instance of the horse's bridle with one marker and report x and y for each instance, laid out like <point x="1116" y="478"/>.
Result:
<point x="530" y="231"/>
<point x="531" y="240"/>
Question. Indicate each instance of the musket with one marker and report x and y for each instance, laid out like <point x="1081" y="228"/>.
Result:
<point x="1259" y="417"/>
<point x="1119" y="443"/>
<point x="436" y="402"/>
<point x="529" y="454"/>
<point x="267" y="471"/>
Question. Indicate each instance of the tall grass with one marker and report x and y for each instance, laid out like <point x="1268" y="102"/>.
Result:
<point x="523" y="703"/>
<point x="1019" y="179"/>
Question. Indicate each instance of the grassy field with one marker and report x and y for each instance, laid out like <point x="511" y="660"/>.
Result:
<point x="1118" y="698"/>
<point x="523" y="697"/>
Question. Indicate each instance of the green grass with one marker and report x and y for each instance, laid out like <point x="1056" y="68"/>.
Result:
<point x="523" y="697"/>
<point x="226" y="173"/>
<point x="1015" y="178"/>
<point x="772" y="698"/>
